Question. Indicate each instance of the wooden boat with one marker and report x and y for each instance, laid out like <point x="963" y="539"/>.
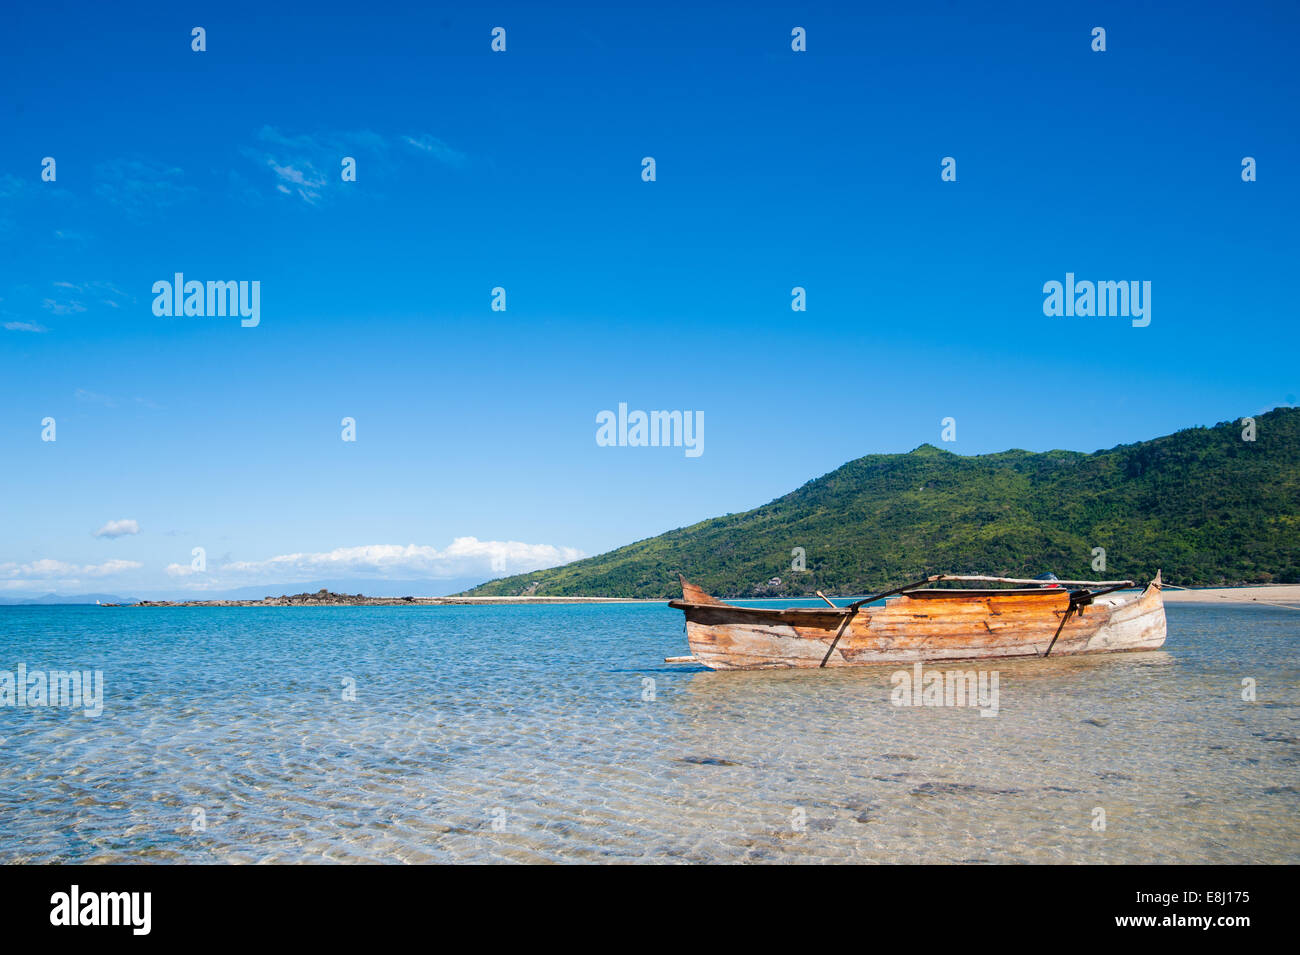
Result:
<point x="920" y="623"/>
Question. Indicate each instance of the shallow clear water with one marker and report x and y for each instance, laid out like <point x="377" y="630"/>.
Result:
<point x="467" y="719"/>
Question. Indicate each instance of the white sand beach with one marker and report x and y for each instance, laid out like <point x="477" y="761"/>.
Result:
<point x="1286" y="595"/>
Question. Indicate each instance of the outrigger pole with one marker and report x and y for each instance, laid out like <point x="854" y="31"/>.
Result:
<point x="1116" y="584"/>
<point x="857" y="605"/>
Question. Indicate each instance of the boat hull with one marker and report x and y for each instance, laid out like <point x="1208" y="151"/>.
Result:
<point x="920" y="628"/>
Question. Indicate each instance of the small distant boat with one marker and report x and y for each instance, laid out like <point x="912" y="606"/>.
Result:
<point x="1042" y="617"/>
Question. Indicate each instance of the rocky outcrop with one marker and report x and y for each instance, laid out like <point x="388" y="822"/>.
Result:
<point x="327" y="598"/>
<point x="321" y="598"/>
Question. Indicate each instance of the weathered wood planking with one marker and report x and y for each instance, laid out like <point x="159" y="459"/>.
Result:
<point x="929" y="626"/>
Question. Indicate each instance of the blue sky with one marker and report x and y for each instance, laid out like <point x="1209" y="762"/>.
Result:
<point x="522" y="170"/>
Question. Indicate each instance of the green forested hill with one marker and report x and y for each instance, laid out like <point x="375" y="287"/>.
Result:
<point x="1203" y="504"/>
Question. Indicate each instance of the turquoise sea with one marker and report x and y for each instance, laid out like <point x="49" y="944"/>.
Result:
<point x="557" y="733"/>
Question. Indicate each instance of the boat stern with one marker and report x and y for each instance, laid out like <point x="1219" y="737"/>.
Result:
<point x="1136" y="623"/>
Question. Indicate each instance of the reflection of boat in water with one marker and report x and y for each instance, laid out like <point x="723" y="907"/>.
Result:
<point x="918" y="623"/>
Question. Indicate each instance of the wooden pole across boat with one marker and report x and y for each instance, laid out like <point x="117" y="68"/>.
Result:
<point x="898" y="590"/>
<point x="857" y="605"/>
<point x="1042" y="583"/>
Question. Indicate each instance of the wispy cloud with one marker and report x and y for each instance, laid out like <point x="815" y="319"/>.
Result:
<point x="95" y="398"/>
<point x="24" y="327"/>
<point x="296" y="160"/>
<point x="308" y="165"/>
<point x="139" y="187"/>
<point x="10" y="186"/>
<point x="64" y="307"/>
<point x="118" y="529"/>
<point x="432" y="146"/>
<point x="465" y="556"/>
<point x="70" y="298"/>
<point x="109" y="401"/>
<point x="306" y="182"/>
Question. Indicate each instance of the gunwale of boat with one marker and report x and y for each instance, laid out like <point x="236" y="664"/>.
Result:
<point x="843" y="611"/>
<point x="948" y="594"/>
<point x="696" y="598"/>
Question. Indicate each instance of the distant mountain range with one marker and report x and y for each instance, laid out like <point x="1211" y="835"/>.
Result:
<point x="1203" y="504"/>
<point x="64" y="599"/>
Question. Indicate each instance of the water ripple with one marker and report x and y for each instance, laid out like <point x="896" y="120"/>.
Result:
<point x="529" y="734"/>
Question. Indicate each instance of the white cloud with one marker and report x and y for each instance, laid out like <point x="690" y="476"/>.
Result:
<point x="114" y="566"/>
<point x="24" y="327"/>
<point x="465" y="556"/>
<point x="14" y="576"/>
<point x="436" y="148"/>
<point x="118" y="529"/>
<point x="294" y="159"/>
<point x="307" y="184"/>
